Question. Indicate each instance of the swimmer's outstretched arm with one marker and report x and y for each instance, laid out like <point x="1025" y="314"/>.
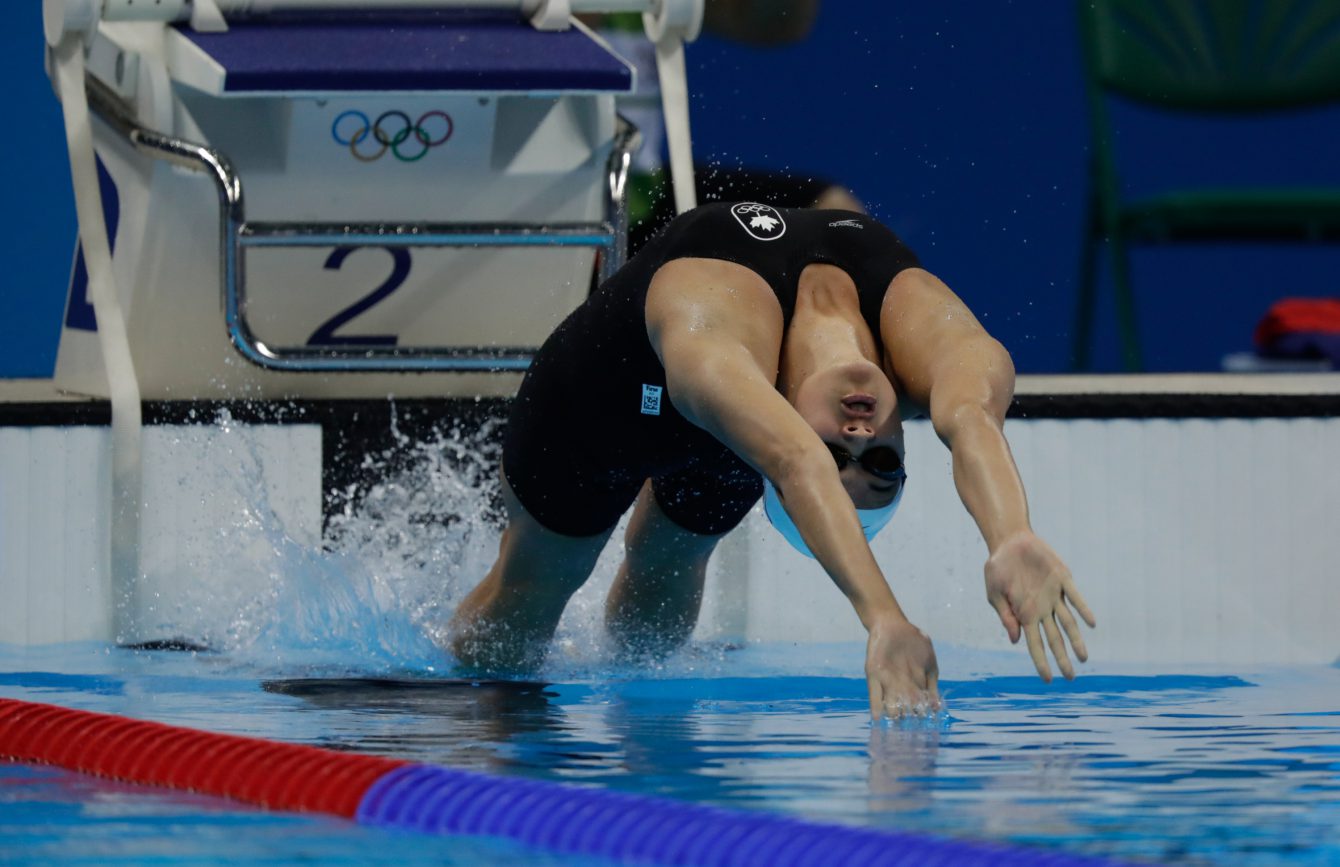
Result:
<point x="719" y="349"/>
<point x="948" y="363"/>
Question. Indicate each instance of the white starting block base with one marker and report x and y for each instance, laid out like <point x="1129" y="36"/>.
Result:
<point x="257" y="485"/>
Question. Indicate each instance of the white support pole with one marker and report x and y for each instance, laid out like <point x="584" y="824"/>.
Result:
<point x="207" y="17"/>
<point x="670" y="24"/>
<point x="113" y="339"/>
<point x="675" y="105"/>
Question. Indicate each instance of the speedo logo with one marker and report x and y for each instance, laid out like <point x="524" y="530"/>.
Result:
<point x="850" y="224"/>
<point x="763" y="222"/>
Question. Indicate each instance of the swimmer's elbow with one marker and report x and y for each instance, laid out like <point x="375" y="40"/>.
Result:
<point x="793" y="466"/>
<point x="965" y="419"/>
<point x="716" y="390"/>
<point x="975" y="385"/>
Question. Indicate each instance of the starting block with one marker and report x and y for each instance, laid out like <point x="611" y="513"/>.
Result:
<point x="331" y="199"/>
<point x="341" y="202"/>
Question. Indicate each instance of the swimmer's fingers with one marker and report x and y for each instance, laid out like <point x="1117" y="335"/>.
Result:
<point x="928" y="689"/>
<point x="1077" y="602"/>
<point x="1007" y="618"/>
<point x="896" y="700"/>
<point x="895" y="705"/>
<point x="1033" y="635"/>
<point x="1071" y="628"/>
<point x="876" y="698"/>
<point x="1058" y="647"/>
<point x="901" y="698"/>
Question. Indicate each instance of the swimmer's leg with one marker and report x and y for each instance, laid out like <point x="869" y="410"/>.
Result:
<point x="506" y="623"/>
<point x="653" y="606"/>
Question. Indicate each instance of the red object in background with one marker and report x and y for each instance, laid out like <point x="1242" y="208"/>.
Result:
<point x="277" y="775"/>
<point x="1298" y="315"/>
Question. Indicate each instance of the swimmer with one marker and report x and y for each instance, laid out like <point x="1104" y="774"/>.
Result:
<point x="750" y="351"/>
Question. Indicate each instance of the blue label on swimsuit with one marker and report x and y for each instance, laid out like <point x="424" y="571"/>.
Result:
<point x="651" y="399"/>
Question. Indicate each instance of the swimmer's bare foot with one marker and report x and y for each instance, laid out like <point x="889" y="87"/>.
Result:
<point x="640" y="643"/>
<point x="498" y="630"/>
<point x="495" y="648"/>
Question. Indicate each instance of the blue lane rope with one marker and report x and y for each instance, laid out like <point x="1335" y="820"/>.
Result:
<point x="628" y="827"/>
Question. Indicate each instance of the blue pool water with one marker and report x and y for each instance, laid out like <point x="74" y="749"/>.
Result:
<point x="1184" y="767"/>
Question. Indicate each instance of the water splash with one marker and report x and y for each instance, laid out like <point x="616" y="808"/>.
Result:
<point x="372" y="591"/>
<point x="402" y="544"/>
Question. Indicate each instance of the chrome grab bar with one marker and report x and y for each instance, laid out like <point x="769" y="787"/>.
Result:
<point x="609" y="237"/>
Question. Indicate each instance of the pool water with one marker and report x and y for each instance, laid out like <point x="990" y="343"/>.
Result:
<point x="52" y="816"/>
<point x="1186" y="766"/>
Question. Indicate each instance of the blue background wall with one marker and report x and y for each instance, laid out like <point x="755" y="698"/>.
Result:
<point x="37" y="225"/>
<point x="961" y="125"/>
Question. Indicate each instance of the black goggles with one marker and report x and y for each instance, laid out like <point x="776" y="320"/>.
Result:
<point x="881" y="462"/>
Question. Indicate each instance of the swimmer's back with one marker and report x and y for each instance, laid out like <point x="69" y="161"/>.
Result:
<point x="777" y="244"/>
<point x="602" y="347"/>
<point x="594" y="417"/>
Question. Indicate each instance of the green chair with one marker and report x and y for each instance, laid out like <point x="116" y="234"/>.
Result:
<point x="1226" y="57"/>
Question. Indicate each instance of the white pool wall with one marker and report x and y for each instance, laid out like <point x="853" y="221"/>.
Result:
<point x="255" y="483"/>
<point x="1192" y="541"/>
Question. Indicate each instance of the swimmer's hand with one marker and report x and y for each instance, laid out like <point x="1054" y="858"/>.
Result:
<point x="900" y="670"/>
<point x="1032" y="591"/>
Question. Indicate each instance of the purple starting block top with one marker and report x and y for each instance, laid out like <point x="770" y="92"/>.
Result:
<point x="474" y="51"/>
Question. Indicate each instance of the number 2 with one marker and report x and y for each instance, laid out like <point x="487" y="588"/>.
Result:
<point x="325" y="335"/>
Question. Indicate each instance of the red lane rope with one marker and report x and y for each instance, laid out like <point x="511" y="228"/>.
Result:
<point x="276" y="775"/>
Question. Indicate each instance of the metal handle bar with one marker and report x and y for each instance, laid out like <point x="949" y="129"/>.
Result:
<point x="237" y="234"/>
<point x="180" y="10"/>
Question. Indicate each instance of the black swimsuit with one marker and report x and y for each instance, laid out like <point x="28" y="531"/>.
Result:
<point x="592" y="420"/>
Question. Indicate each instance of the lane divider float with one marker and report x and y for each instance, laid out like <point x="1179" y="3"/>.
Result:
<point x="390" y="793"/>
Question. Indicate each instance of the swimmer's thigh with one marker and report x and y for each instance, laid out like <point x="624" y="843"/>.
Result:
<point x="679" y="519"/>
<point x="711" y="495"/>
<point x="554" y="462"/>
<point x="538" y="561"/>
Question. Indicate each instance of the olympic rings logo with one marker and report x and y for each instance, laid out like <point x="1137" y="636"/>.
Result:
<point x="389" y="132"/>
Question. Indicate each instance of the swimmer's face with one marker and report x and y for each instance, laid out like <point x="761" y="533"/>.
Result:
<point x="854" y="407"/>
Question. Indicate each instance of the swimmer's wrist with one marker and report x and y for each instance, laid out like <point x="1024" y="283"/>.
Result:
<point x="883" y="614"/>
<point x="1008" y="538"/>
<point x="997" y="538"/>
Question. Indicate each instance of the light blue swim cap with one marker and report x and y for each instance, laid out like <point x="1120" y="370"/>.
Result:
<point x="872" y="520"/>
